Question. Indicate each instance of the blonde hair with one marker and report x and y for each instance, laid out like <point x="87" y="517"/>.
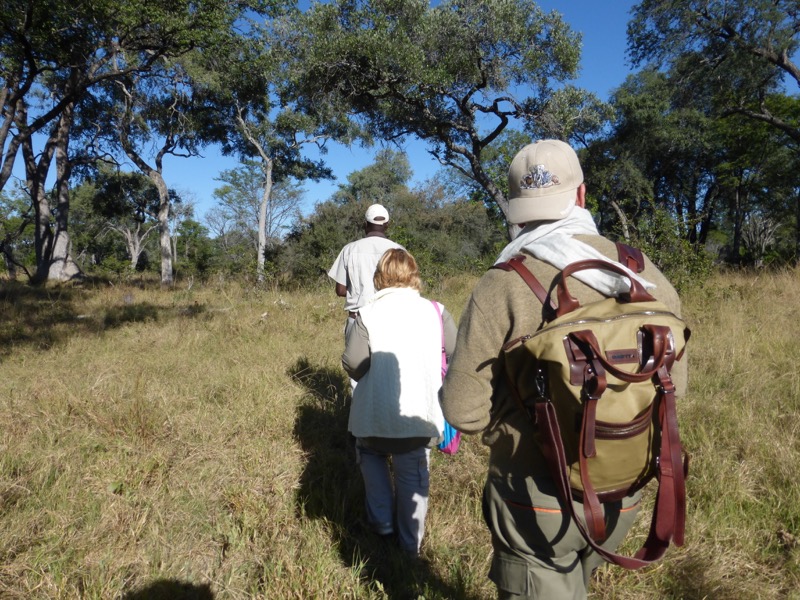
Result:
<point x="397" y="268"/>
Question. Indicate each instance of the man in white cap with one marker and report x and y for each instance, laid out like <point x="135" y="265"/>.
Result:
<point x="354" y="268"/>
<point x="538" y="550"/>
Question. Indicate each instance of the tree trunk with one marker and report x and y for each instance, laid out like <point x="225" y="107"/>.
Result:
<point x="623" y="220"/>
<point x="164" y="238"/>
<point x="262" y="219"/>
<point x="134" y="248"/>
<point x="53" y="260"/>
<point x="35" y="175"/>
<point x="41" y="211"/>
<point x="62" y="266"/>
<point x="154" y="174"/>
<point x="691" y="209"/>
<point x="8" y="258"/>
<point x="42" y="234"/>
<point x="797" y="227"/>
<point x="174" y="244"/>
<point x="737" y="227"/>
<point x="495" y="193"/>
<point x="709" y="206"/>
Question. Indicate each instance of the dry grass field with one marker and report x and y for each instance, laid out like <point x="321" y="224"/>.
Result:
<point x="192" y="444"/>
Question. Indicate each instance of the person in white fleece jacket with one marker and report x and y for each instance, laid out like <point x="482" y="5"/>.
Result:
<point x="394" y="351"/>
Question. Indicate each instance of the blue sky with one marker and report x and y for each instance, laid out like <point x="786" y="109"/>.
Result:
<point x="603" y="68"/>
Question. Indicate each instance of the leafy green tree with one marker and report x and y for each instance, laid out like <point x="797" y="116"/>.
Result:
<point x="247" y="80"/>
<point x="237" y="216"/>
<point x="129" y="203"/>
<point x="758" y="189"/>
<point x="233" y="248"/>
<point x="389" y="173"/>
<point x="572" y="114"/>
<point x="659" y="238"/>
<point x="167" y="109"/>
<point x="658" y="154"/>
<point x="741" y="49"/>
<point x="446" y="234"/>
<point x="669" y="154"/>
<point x="315" y="241"/>
<point x="92" y="243"/>
<point x="454" y="75"/>
<point x="741" y="55"/>
<point x="195" y="253"/>
<point x="16" y="241"/>
<point x="54" y="57"/>
<point x="114" y="215"/>
<point x="152" y="122"/>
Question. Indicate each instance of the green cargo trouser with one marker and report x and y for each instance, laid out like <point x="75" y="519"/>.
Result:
<point x="538" y="550"/>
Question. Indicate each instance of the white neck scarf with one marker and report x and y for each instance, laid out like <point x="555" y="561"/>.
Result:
<point x="552" y="242"/>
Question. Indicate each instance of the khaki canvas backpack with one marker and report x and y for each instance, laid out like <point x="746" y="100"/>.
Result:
<point x="596" y="381"/>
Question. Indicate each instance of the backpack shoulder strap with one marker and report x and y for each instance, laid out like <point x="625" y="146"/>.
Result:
<point x="630" y="257"/>
<point x="516" y="263"/>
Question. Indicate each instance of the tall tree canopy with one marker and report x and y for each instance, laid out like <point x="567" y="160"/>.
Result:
<point x="248" y="79"/>
<point x="737" y="59"/>
<point x="54" y="58"/>
<point x="454" y="75"/>
<point x="742" y="50"/>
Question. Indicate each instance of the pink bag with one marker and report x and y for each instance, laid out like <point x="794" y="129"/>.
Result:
<point x="452" y="437"/>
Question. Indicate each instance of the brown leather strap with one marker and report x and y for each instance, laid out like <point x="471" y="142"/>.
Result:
<point x="662" y="344"/>
<point x="669" y="513"/>
<point x="630" y="257"/>
<point x="672" y="469"/>
<point x="516" y="264"/>
<point x="593" y="389"/>
<point x="566" y="303"/>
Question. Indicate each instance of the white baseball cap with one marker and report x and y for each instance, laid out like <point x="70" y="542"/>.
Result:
<point x="542" y="180"/>
<point x="377" y="214"/>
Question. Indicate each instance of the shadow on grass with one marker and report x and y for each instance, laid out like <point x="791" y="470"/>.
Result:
<point x="32" y="315"/>
<point x="41" y="317"/>
<point x="697" y="577"/>
<point x="331" y="488"/>
<point x="170" y="589"/>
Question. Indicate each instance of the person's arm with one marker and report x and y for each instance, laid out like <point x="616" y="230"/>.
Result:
<point x="338" y="272"/>
<point x="356" y="357"/>
<point x="450" y="332"/>
<point x="466" y="396"/>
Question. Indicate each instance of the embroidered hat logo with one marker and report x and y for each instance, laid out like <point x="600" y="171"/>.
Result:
<point x="539" y="177"/>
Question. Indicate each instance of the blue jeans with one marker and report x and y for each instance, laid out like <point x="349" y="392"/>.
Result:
<point x="396" y="498"/>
